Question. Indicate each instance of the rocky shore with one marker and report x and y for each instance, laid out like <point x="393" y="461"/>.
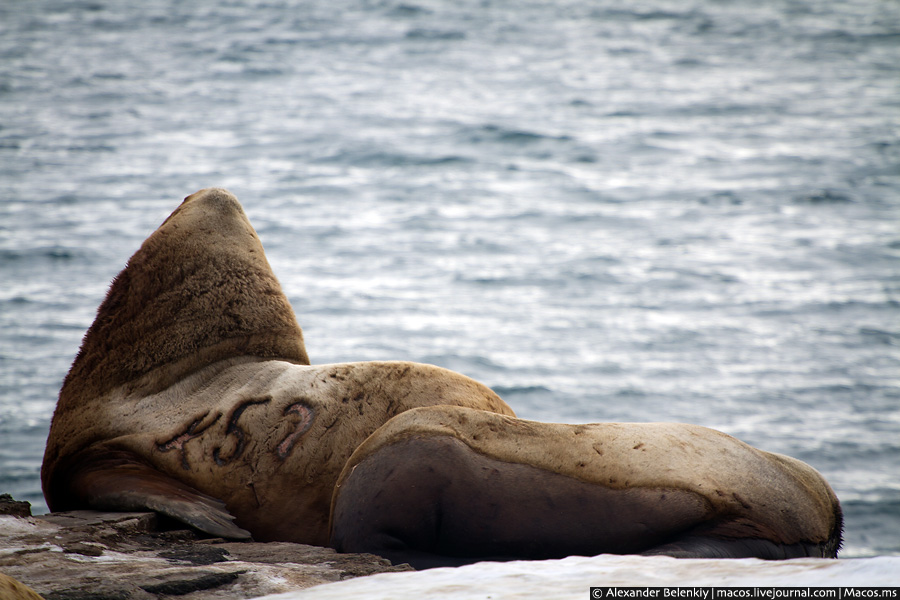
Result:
<point x="94" y="555"/>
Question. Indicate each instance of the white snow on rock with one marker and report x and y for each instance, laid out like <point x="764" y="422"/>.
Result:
<point x="574" y="576"/>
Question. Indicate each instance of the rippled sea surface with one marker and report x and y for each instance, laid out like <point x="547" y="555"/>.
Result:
<point x="606" y="211"/>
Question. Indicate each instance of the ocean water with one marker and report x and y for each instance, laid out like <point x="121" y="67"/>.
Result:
<point x="648" y="211"/>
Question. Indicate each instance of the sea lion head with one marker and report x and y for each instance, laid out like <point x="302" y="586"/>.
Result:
<point x="199" y="290"/>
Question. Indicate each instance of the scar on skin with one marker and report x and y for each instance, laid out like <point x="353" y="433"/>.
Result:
<point x="306" y="419"/>
<point x="193" y="430"/>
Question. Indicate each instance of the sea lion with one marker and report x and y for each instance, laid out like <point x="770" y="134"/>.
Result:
<point x="192" y="393"/>
<point x="447" y="486"/>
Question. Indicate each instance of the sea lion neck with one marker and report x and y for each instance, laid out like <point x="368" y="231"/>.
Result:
<point x="199" y="290"/>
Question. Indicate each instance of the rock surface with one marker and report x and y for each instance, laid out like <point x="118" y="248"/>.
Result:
<point x="122" y="556"/>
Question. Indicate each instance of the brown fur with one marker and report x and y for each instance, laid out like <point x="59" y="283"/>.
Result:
<point x="199" y="290"/>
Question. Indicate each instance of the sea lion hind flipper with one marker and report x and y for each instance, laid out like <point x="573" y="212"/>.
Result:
<point x="742" y="538"/>
<point x="701" y="546"/>
<point x="119" y="481"/>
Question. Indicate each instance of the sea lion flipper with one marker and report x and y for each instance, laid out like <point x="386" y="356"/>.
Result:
<point x="702" y="545"/>
<point x="119" y="481"/>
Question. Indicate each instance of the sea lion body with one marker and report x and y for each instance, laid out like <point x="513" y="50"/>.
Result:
<point x="192" y="395"/>
<point x="268" y="438"/>
<point x="447" y="486"/>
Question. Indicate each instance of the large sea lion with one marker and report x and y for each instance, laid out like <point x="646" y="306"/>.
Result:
<point x="447" y="486"/>
<point x="192" y="393"/>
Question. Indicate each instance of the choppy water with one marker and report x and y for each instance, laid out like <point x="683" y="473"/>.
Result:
<point x="656" y="210"/>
